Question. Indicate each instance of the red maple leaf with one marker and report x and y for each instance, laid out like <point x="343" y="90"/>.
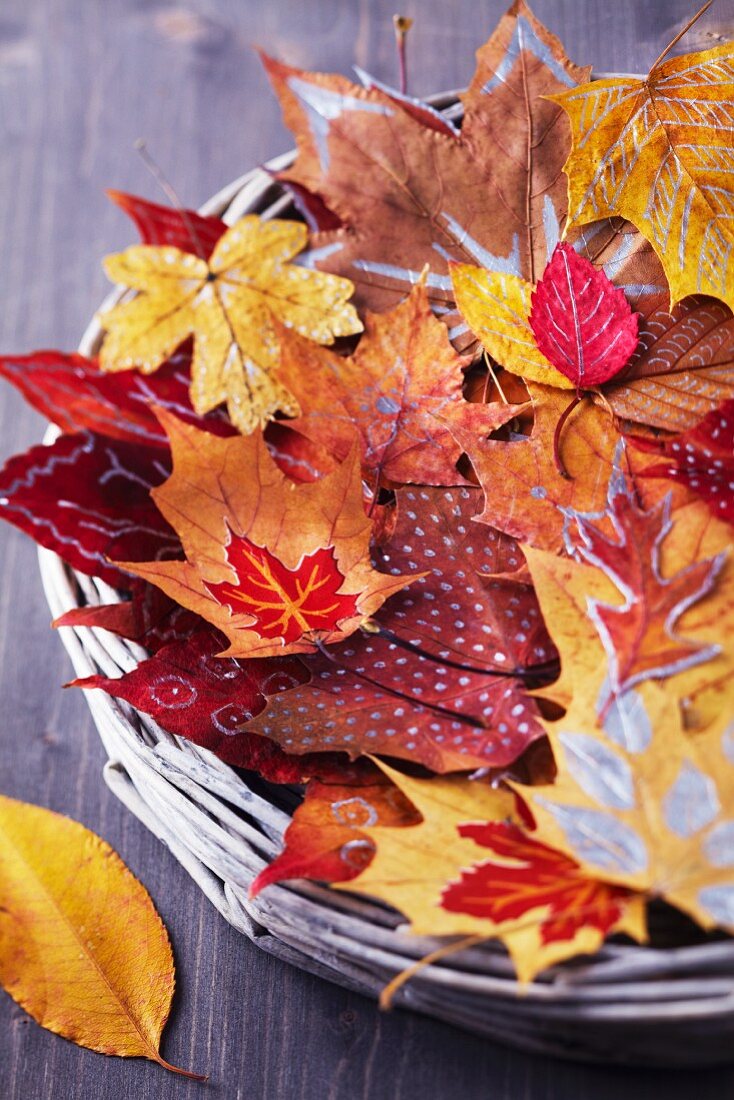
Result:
<point x="702" y="459"/>
<point x="149" y="618"/>
<point x="285" y="603"/>
<point x="581" y="322"/>
<point x="164" y="225"/>
<point x="538" y="877"/>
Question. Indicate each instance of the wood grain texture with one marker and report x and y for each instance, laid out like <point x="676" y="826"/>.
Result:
<point x="80" y="80"/>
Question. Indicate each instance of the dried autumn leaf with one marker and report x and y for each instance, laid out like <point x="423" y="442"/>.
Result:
<point x="88" y="498"/>
<point x="82" y="948"/>
<point x="194" y="693"/>
<point x="325" y="841"/>
<point x="524" y="494"/>
<point x="428" y="194"/>
<point x="185" y="229"/>
<point x="436" y="679"/>
<point x="641" y="635"/>
<point x="657" y="151"/>
<point x="149" y="618"/>
<point x="227" y="303"/>
<point x="75" y="394"/>
<point x="683" y="367"/>
<point x="640" y="803"/>
<point x="277" y="567"/>
<point x="702" y="459"/>
<point x="402" y="377"/>
<point x="542" y="907"/>
<point x="564" y="587"/>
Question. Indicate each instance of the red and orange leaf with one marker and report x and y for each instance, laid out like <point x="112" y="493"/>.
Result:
<point x="702" y="459"/>
<point x="325" y="841"/>
<point x="582" y="324"/>
<point x="640" y="636"/>
<point x="535" y="878"/>
<point x="524" y="494"/>
<point x="74" y="393"/>
<point x="393" y="392"/>
<point x="525" y="894"/>
<point x="88" y="499"/>
<point x="216" y="510"/>
<point x="187" y="230"/>
<point x="434" y="684"/>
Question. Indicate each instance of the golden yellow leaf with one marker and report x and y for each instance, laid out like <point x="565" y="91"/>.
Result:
<point x="420" y="870"/>
<point x="639" y="802"/>
<point x="82" y="948"/>
<point x="227" y="303"/>
<point x="496" y="307"/>
<point x="658" y="151"/>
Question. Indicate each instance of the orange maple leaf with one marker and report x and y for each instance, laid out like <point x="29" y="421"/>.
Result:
<point x="278" y="567"/>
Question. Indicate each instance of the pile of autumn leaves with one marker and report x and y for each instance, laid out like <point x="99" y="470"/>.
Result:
<point x="399" y="568"/>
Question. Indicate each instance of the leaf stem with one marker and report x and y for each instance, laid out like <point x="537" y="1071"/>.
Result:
<point x="680" y="34"/>
<point x="557" y="460"/>
<point x="402" y="25"/>
<point x="157" y="173"/>
<point x="519" y="673"/>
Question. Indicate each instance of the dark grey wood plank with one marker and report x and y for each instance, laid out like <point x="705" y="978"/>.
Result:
<point x="79" y="82"/>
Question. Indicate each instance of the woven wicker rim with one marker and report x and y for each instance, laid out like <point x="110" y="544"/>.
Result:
<point x="627" y="1003"/>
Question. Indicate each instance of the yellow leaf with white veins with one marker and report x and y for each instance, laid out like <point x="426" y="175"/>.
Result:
<point x="227" y="304"/>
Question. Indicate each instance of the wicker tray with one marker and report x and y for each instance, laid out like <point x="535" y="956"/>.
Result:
<point x="626" y="1004"/>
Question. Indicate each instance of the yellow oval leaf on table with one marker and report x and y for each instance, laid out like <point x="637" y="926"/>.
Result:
<point x="496" y="307"/>
<point x="82" y="948"/>
<point x="228" y="304"/>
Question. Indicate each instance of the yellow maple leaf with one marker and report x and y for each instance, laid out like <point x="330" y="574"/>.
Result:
<point x="639" y="802"/>
<point x="420" y="870"/>
<point x="496" y="307"/>
<point x="227" y="303"/>
<point x="658" y="151"/>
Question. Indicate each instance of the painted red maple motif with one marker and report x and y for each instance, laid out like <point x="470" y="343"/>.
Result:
<point x="702" y="459"/>
<point x="284" y="603"/>
<point x="538" y="878"/>
<point x="581" y="322"/>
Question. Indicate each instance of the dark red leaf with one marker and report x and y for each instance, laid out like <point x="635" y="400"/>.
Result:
<point x="581" y="322"/>
<point x="75" y="394"/>
<point x="88" y="498"/>
<point x="150" y="618"/>
<point x="315" y="212"/>
<point x="191" y="692"/>
<point x="157" y="224"/>
<point x="702" y="459"/>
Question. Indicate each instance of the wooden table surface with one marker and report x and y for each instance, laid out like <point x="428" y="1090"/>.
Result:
<point x="80" y="80"/>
